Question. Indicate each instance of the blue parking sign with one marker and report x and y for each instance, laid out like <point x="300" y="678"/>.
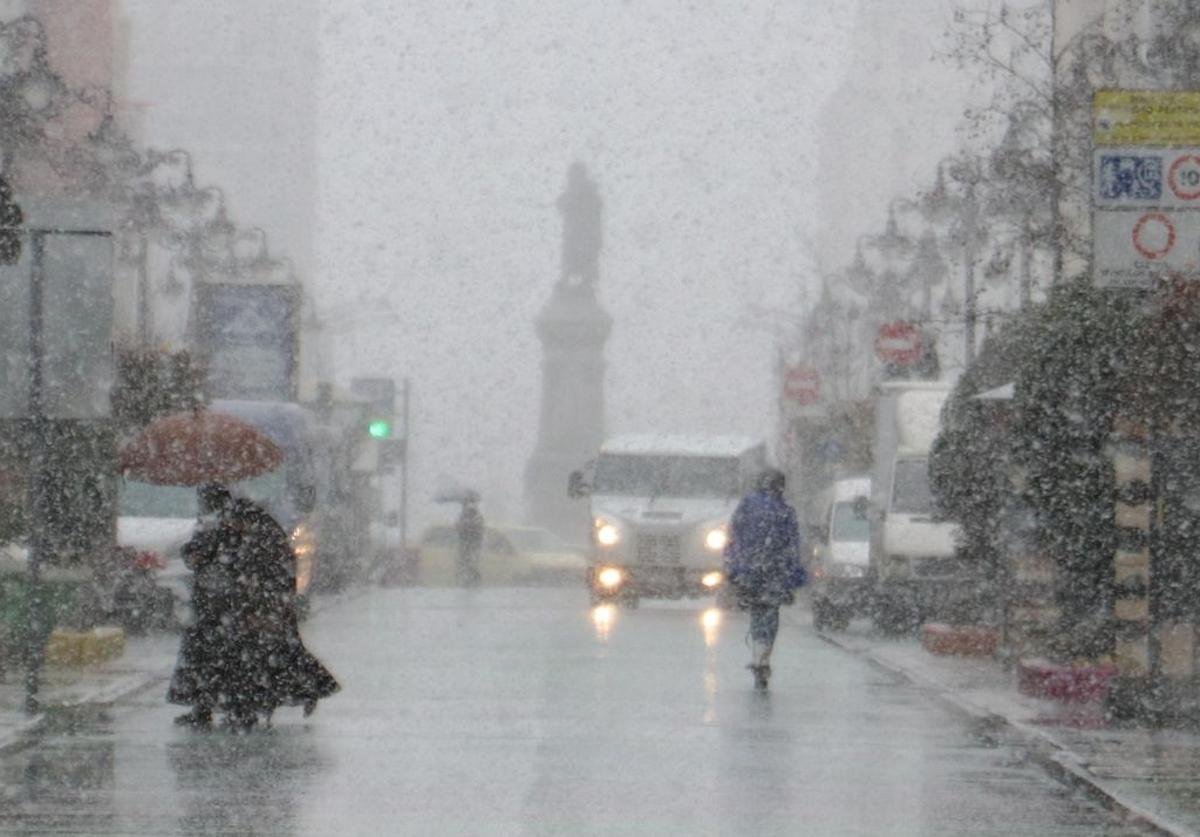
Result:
<point x="1130" y="177"/>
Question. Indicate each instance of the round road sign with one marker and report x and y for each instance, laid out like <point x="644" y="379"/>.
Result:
<point x="898" y="343"/>
<point x="1184" y="177"/>
<point x="1153" y="235"/>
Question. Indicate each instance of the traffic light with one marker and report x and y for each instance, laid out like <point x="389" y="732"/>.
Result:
<point x="379" y="428"/>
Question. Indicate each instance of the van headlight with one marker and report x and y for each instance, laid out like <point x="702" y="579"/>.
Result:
<point x="716" y="538"/>
<point x="606" y="533"/>
<point x="610" y="578"/>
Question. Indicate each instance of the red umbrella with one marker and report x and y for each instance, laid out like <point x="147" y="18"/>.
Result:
<point x="199" y="447"/>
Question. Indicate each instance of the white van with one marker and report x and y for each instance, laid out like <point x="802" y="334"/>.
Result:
<point x="913" y="551"/>
<point x="842" y="571"/>
<point x="660" y="509"/>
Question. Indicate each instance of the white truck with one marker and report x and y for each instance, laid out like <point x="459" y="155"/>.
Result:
<point x="913" y="558"/>
<point x="660" y="509"/>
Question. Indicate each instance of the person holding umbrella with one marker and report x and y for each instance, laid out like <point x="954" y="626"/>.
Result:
<point x="243" y="654"/>
<point x="469" y="528"/>
<point x="209" y="642"/>
<point x="270" y="667"/>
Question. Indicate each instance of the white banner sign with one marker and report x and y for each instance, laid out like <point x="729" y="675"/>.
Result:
<point x="1132" y="247"/>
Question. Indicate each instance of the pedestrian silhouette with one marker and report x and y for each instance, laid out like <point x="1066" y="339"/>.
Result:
<point x="469" y="529"/>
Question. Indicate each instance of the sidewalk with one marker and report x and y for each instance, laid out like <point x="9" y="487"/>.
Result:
<point x="1150" y="778"/>
<point x="147" y="662"/>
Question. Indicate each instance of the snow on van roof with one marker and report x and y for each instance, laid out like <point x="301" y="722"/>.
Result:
<point x="679" y="444"/>
<point x="851" y="487"/>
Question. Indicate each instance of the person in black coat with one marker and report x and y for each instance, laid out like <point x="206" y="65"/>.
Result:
<point x="200" y="672"/>
<point x="243" y="653"/>
<point x="272" y="667"/>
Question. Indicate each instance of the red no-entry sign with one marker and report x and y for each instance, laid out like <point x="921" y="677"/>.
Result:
<point x="898" y="343"/>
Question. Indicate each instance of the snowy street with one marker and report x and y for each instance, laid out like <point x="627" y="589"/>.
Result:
<point x="525" y="712"/>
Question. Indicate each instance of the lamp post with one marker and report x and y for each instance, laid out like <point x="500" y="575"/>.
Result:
<point x="962" y="215"/>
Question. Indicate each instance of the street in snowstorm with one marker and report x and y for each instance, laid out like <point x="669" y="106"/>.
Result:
<point x="507" y="711"/>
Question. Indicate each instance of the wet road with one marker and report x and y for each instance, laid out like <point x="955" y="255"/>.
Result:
<point x="526" y="712"/>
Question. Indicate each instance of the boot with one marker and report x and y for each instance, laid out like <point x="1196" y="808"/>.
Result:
<point x="760" y="654"/>
<point x="761" y="675"/>
<point x="200" y="717"/>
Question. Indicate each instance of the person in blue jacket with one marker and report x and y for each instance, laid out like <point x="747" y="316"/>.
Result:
<point x="762" y="564"/>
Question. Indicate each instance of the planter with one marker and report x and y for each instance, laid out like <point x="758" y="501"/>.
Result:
<point x="1041" y="678"/>
<point x="959" y="640"/>
<point x="80" y="648"/>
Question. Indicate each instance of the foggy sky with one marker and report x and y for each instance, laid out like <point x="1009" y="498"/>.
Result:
<point x="442" y="136"/>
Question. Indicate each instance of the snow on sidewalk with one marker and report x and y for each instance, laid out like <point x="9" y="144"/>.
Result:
<point x="1152" y="775"/>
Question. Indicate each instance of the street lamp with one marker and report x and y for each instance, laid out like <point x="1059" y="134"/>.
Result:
<point x="961" y="214"/>
<point x="928" y="268"/>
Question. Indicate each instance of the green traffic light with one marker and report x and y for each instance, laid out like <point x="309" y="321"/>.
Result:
<point x="379" y="429"/>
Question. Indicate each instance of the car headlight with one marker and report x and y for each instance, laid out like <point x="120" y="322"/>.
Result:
<point x="610" y="577"/>
<point x="715" y="539"/>
<point x="304" y="544"/>
<point x="606" y="533"/>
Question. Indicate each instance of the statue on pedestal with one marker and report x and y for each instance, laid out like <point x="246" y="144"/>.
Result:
<point x="573" y="329"/>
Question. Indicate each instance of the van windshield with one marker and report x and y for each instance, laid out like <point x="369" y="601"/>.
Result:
<point x="142" y="499"/>
<point x="268" y="490"/>
<point x="847" y="525"/>
<point x="671" y="476"/>
<point x="911" y="493"/>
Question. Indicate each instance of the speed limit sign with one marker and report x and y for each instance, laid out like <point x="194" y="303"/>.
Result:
<point x="1184" y="177"/>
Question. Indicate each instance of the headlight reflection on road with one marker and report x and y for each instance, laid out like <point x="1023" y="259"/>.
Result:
<point x="710" y="621"/>
<point x="603" y="617"/>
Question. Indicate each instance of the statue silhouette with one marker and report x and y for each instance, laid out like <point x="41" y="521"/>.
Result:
<point x="582" y="212"/>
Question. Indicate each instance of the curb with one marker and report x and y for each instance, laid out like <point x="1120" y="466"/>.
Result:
<point x="25" y="734"/>
<point x="1050" y="754"/>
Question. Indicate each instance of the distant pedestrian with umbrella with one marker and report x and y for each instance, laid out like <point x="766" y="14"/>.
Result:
<point x="469" y="529"/>
<point x="763" y="565"/>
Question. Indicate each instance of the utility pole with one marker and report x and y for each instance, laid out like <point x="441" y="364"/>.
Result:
<point x="970" y="233"/>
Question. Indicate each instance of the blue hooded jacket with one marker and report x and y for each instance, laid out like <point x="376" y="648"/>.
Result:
<point x="762" y="558"/>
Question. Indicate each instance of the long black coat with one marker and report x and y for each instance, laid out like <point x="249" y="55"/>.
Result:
<point x="273" y="668"/>
<point x="244" y="652"/>
<point x="201" y="672"/>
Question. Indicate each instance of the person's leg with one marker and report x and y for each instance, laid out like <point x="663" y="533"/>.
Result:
<point x="764" y="625"/>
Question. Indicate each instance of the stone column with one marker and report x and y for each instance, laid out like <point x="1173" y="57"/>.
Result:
<point x="573" y="329"/>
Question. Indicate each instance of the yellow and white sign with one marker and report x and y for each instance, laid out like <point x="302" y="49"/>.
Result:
<point x="1146" y="117"/>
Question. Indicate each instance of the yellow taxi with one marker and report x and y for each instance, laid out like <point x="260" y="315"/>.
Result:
<point x="510" y="556"/>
